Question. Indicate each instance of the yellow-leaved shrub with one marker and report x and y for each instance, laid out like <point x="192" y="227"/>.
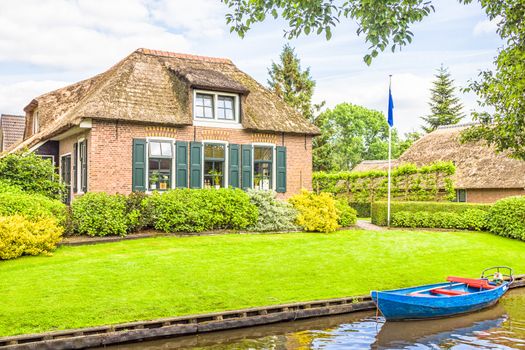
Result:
<point x="20" y="236"/>
<point x="316" y="212"/>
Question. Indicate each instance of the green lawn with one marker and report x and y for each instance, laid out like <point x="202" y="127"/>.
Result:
<point x="168" y="276"/>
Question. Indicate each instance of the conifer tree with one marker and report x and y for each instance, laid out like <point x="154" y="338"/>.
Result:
<point x="445" y="107"/>
<point x="291" y="83"/>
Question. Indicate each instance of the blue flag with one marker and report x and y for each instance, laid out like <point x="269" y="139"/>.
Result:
<point x="390" y="108"/>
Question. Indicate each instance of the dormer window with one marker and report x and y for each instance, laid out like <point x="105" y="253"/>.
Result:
<point x="216" y="107"/>
<point x="36" y="123"/>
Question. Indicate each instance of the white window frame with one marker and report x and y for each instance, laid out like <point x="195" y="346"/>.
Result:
<point x="79" y="168"/>
<point x="215" y="122"/>
<point x="36" y="122"/>
<point x="274" y="162"/>
<point x="173" y="156"/>
<point x="226" y="160"/>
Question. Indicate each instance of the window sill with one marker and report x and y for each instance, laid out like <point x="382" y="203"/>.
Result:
<point x="217" y="124"/>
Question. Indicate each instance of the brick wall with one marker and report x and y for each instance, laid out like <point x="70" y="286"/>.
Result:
<point x="110" y="151"/>
<point x="491" y="195"/>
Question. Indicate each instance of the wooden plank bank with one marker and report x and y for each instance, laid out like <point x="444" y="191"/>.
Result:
<point x="188" y="325"/>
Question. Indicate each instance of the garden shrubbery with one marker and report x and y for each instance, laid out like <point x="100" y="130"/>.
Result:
<point x="316" y="212"/>
<point x="101" y="214"/>
<point x="507" y="217"/>
<point x="274" y="215"/>
<point x="186" y="210"/>
<point x="379" y="210"/>
<point x="347" y="216"/>
<point x="471" y="219"/>
<point x="23" y="236"/>
<point x="32" y="206"/>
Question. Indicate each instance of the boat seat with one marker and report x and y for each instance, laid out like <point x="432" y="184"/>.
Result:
<point x="472" y="282"/>
<point x="450" y="292"/>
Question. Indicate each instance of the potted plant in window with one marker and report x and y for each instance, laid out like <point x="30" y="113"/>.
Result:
<point x="257" y="181"/>
<point x="163" y="185"/>
<point x="216" y="178"/>
<point x="153" y="179"/>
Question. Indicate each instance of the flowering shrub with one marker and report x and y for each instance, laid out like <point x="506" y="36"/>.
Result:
<point x="274" y="215"/>
<point x="317" y="212"/>
<point x="22" y="236"/>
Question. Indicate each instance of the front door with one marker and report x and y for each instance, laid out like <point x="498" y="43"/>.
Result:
<point x="65" y="175"/>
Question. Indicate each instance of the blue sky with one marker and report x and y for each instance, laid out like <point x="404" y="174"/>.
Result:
<point x="47" y="44"/>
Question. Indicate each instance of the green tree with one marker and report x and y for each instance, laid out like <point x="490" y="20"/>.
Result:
<point x="291" y="83"/>
<point x="31" y="173"/>
<point x="386" y="24"/>
<point x="408" y="140"/>
<point x="351" y="134"/>
<point x="445" y="107"/>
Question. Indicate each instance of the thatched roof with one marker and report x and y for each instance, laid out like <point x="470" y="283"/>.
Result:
<point x="367" y="165"/>
<point x="151" y="86"/>
<point x="11" y="130"/>
<point x="477" y="165"/>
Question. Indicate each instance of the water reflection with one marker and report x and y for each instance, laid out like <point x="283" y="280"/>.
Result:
<point x="500" y="327"/>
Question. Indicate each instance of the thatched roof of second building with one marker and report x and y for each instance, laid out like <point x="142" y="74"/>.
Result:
<point x="477" y="165"/>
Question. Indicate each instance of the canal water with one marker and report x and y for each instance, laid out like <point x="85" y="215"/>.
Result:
<point x="500" y="327"/>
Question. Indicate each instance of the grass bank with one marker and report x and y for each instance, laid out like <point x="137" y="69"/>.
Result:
<point x="167" y="276"/>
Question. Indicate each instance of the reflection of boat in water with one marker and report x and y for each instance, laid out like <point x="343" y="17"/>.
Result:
<point x="401" y="334"/>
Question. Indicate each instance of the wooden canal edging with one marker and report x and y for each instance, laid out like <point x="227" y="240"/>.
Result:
<point x="193" y="324"/>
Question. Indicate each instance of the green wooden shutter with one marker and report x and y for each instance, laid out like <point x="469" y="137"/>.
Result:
<point x="247" y="168"/>
<point x="75" y="160"/>
<point x="195" y="165"/>
<point x="181" y="173"/>
<point x="83" y="164"/>
<point x="234" y="159"/>
<point x="280" y="169"/>
<point x="139" y="165"/>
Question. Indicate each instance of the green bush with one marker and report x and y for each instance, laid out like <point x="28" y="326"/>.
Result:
<point x="22" y="236"/>
<point x="362" y="209"/>
<point x="347" y="216"/>
<point x="317" y="212"/>
<point x="6" y="186"/>
<point x="507" y="217"/>
<point x="188" y="210"/>
<point x="139" y="215"/>
<point x="470" y="219"/>
<point x="31" y="173"/>
<point x="379" y="209"/>
<point x="32" y="206"/>
<point x="100" y="214"/>
<point x="274" y="215"/>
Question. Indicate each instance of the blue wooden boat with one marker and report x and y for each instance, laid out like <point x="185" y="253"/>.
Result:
<point x="456" y="296"/>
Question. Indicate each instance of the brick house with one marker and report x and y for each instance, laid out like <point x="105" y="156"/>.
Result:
<point x="482" y="175"/>
<point x="159" y="120"/>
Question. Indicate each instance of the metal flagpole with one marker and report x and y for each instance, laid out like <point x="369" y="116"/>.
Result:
<point x="389" y="153"/>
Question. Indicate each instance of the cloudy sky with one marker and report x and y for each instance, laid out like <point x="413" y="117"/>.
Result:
<point x="46" y="44"/>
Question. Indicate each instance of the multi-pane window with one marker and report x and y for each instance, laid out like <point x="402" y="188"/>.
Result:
<point x="461" y="195"/>
<point x="262" y="167"/>
<point x="159" y="165"/>
<point x="214" y="165"/>
<point x="204" y="106"/>
<point x="225" y="109"/>
<point x="216" y="107"/>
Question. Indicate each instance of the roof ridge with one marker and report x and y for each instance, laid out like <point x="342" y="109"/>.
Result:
<point x="454" y="126"/>
<point x="184" y="56"/>
<point x="12" y="115"/>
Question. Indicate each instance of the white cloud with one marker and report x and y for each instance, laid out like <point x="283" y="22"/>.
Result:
<point x="196" y="18"/>
<point x="486" y="27"/>
<point x="79" y="35"/>
<point x="14" y="97"/>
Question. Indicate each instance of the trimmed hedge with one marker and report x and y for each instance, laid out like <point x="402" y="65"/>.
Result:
<point x="507" y="217"/>
<point x="197" y="210"/>
<point x="379" y="209"/>
<point x="470" y="219"/>
<point x="362" y="209"/>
